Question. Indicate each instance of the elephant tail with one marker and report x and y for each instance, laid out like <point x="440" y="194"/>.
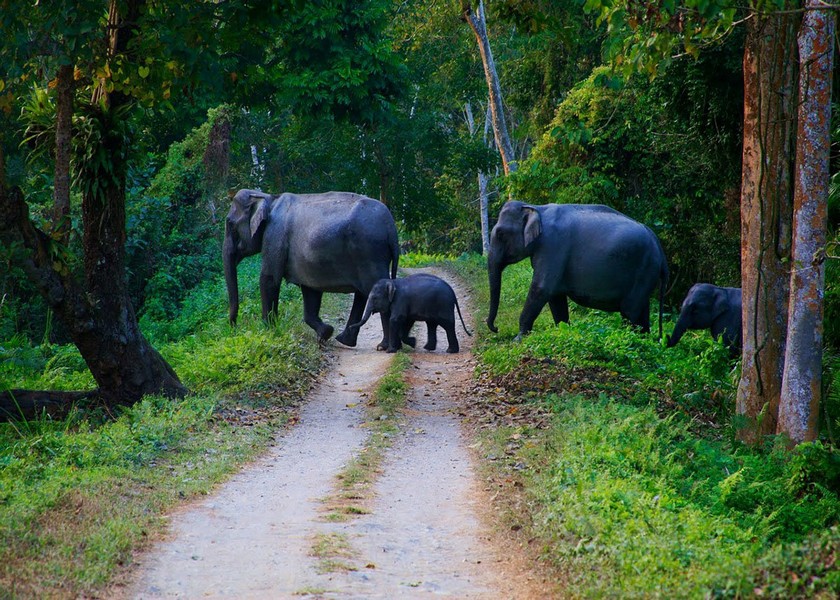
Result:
<point x="468" y="332"/>
<point x="395" y="257"/>
<point x="663" y="283"/>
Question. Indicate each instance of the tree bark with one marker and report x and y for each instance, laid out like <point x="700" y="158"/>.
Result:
<point x="483" y="180"/>
<point x="63" y="136"/>
<point x="766" y="206"/>
<point x="26" y="404"/>
<point x="216" y="161"/>
<point x="802" y="377"/>
<point x="478" y="24"/>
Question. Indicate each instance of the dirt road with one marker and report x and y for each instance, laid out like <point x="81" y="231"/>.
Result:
<point x="423" y="535"/>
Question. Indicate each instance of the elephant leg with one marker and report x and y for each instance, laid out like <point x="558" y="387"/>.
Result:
<point x="534" y="304"/>
<point x="269" y="295"/>
<point x="431" y="335"/>
<point x="395" y="326"/>
<point x="311" y="310"/>
<point x="407" y="339"/>
<point x="637" y="311"/>
<point x="349" y="336"/>
<point x="449" y="328"/>
<point x="559" y="306"/>
<point x="385" y="319"/>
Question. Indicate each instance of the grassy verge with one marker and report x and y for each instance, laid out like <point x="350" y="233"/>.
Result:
<point x="78" y="496"/>
<point x="637" y="487"/>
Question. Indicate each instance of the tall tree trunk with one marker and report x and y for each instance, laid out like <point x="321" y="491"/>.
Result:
<point x="483" y="202"/>
<point x="766" y="205"/>
<point x="122" y="361"/>
<point x="478" y="23"/>
<point x="216" y="161"/>
<point x="802" y="378"/>
<point x="483" y="180"/>
<point x="63" y="136"/>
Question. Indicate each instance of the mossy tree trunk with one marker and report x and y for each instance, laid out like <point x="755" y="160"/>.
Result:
<point x="802" y="378"/>
<point x="766" y="209"/>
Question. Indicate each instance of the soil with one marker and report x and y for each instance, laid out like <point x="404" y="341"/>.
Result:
<point x="428" y="529"/>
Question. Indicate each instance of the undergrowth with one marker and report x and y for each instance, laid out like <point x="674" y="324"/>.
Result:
<point x="78" y="496"/>
<point x="639" y="487"/>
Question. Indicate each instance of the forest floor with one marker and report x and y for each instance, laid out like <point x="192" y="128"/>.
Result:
<point x="427" y="527"/>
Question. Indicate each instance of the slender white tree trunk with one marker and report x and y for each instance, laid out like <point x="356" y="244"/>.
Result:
<point x="478" y="23"/>
<point x="802" y="377"/>
<point x="483" y="180"/>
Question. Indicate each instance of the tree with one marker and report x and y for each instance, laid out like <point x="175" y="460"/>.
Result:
<point x="766" y="212"/>
<point x="478" y="23"/>
<point x="801" y="380"/>
<point x="97" y="311"/>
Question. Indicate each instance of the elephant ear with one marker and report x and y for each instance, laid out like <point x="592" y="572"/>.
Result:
<point x="720" y="306"/>
<point x="392" y="289"/>
<point x="533" y="224"/>
<point x="260" y="210"/>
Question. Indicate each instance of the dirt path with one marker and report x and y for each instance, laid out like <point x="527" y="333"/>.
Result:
<point x="424" y="535"/>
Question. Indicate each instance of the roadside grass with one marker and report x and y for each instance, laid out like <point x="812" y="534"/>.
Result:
<point x="382" y="420"/>
<point x="639" y="488"/>
<point x="78" y="496"/>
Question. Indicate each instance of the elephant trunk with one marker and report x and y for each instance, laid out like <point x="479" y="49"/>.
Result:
<point x="679" y="330"/>
<point x="365" y="316"/>
<point x="231" y="261"/>
<point x="494" y="271"/>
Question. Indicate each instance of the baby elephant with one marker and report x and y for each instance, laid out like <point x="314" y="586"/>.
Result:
<point x="418" y="297"/>
<point x="718" y="309"/>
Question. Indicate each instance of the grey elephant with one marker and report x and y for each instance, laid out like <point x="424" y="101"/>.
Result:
<point x="717" y="309"/>
<point x="331" y="242"/>
<point x="420" y="297"/>
<point x="597" y="256"/>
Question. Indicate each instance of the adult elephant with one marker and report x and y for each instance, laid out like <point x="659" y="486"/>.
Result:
<point x="717" y="309"/>
<point x="331" y="242"/>
<point x="597" y="256"/>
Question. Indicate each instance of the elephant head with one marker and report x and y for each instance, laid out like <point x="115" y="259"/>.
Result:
<point x="244" y="228"/>
<point x="379" y="300"/>
<point x="511" y="240"/>
<point x="703" y="306"/>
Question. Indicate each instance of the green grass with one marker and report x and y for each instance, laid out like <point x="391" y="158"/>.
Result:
<point x="78" y="496"/>
<point x="638" y="488"/>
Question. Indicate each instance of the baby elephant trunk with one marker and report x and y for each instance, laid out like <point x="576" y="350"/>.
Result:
<point x="679" y="330"/>
<point x="368" y="312"/>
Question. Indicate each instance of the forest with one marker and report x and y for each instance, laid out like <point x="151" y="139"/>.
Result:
<point x="126" y="127"/>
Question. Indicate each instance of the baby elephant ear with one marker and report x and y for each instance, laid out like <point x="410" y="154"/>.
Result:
<point x="533" y="224"/>
<point x="392" y="289"/>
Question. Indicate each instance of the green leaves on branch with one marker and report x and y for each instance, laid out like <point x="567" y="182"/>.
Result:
<point x="643" y="36"/>
<point x="100" y="142"/>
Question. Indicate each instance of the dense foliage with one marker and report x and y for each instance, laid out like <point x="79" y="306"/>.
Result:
<point x="639" y="486"/>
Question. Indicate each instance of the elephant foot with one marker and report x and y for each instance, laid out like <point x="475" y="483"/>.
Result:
<point x="453" y="349"/>
<point x="411" y="341"/>
<point x="346" y="338"/>
<point x="391" y="350"/>
<point x="325" y="333"/>
<point x="381" y="346"/>
<point x="430" y="347"/>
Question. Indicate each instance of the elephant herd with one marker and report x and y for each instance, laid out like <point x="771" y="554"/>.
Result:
<point x="347" y="243"/>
